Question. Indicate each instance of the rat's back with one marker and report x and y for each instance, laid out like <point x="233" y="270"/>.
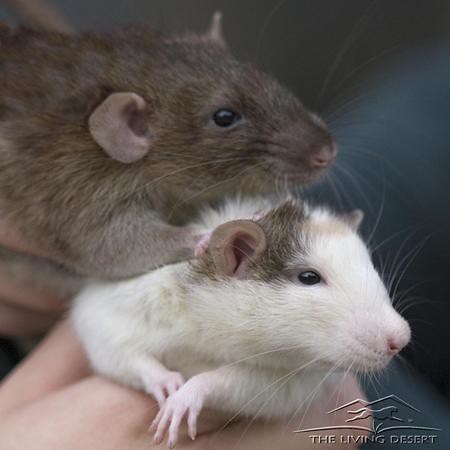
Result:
<point x="51" y="72"/>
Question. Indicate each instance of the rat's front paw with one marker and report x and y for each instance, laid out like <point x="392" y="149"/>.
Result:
<point x="163" y="384"/>
<point x="186" y="402"/>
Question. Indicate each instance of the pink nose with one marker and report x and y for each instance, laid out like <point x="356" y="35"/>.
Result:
<point x="395" y="344"/>
<point x="324" y="156"/>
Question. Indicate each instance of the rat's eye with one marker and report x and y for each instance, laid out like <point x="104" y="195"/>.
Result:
<point x="309" y="277"/>
<point x="225" y="117"/>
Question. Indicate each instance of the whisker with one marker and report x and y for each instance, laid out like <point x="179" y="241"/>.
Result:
<point x="353" y="179"/>
<point x="255" y="416"/>
<point x="396" y="259"/>
<point x="412" y="255"/>
<point x="348" y="42"/>
<point x="343" y="109"/>
<point x="266" y="25"/>
<point x="365" y="64"/>
<point x="387" y="240"/>
<point x="380" y="213"/>
<point x="333" y="186"/>
<point x="312" y="395"/>
<point x="198" y="193"/>
<point x="286" y="377"/>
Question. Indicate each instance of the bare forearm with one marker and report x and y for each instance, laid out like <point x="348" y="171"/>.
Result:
<point x="57" y="362"/>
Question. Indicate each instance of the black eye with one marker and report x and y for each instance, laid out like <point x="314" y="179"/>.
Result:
<point x="225" y="117"/>
<point x="309" y="277"/>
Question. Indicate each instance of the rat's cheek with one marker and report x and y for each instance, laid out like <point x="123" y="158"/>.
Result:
<point x="336" y="346"/>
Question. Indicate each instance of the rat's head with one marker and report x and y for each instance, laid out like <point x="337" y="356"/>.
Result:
<point x="302" y="278"/>
<point x="216" y="124"/>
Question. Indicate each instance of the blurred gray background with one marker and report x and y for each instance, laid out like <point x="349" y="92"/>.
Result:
<point x="379" y="72"/>
<point x="299" y="41"/>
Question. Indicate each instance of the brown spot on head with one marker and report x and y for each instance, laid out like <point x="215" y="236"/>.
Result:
<point x="282" y="236"/>
<point x="282" y="226"/>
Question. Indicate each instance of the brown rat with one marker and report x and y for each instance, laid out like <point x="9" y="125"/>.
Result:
<point x="106" y="139"/>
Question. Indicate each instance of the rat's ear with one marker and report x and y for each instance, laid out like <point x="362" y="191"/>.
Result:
<point x="234" y="244"/>
<point x="354" y="219"/>
<point x="119" y="125"/>
<point x="215" y="30"/>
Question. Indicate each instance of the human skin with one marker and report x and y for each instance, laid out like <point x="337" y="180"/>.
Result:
<point x="24" y="312"/>
<point x="53" y="401"/>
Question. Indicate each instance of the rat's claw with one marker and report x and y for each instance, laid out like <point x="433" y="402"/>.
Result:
<point x="162" y="425"/>
<point x="152" y="427"/>
<point x="177" y="416"/>
<point x="185" y="402"/>
<point x="169" y="418"/>
<point x="192" y="423"/>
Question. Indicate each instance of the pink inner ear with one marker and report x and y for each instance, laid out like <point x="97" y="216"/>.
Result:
<point x="243" y="248"/>
<point x="137" y="120"/>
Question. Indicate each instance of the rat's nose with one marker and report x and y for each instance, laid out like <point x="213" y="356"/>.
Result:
<point x="396" y="343"/>
<point x="324" y="156"/>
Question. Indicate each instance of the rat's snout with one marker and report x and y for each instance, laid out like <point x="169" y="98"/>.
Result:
<point x="395" y="337"/>
<point x="397" y="332"/>
<point x="324" y="156"/>
<point x="302" y="147"/>
<point x="390" y="337"/>
<point x="379" y="339"/>
<point x="397" y="341"/>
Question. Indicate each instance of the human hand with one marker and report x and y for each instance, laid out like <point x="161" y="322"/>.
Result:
<point x="52" y="402"/>
<point x="25" y="310"/>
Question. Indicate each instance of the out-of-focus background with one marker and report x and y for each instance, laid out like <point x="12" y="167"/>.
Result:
<point x="379" y="72"/>
<point x="299" y="41"/>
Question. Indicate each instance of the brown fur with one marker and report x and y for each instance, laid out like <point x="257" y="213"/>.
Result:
<point x="102" y="218"/>
<point x="281" y="227"/>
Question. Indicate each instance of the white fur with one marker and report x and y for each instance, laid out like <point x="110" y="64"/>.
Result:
<point x="196" y="326"/>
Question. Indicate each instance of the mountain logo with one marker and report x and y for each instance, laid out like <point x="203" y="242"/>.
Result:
<point x="385" y="414"/>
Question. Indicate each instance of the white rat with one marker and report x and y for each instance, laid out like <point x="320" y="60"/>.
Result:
<point x="254" y="324"/>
